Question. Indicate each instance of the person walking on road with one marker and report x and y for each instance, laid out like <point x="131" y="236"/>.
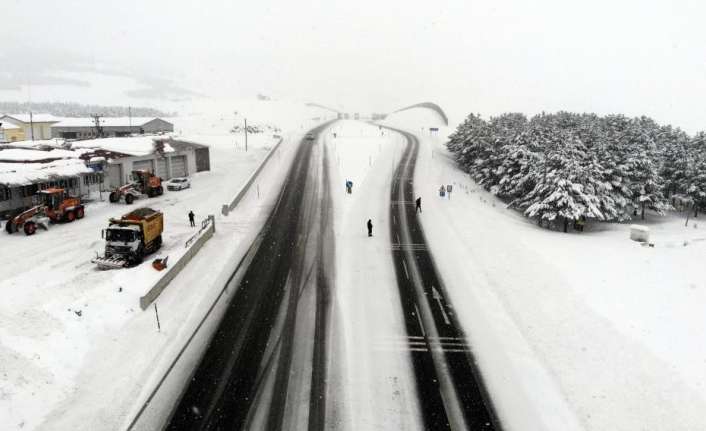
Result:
<point x="419" y="204"/>
<point x="191" y="219"/>
<point x="370" y="227"/>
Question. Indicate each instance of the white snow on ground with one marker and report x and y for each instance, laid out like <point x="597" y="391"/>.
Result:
<point x="63" y="370"/>
<point x="377" y="385"/>
<point x="572" y="331"/>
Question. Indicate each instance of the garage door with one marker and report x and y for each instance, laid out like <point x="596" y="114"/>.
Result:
<point x="142" y="165"/>
<point x="178" y="166"/>
<point x="162" y="169"/>
<point x="115" y="176"/>
<point x="203" y="162"/>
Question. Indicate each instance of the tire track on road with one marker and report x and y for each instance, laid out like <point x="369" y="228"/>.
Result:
<point x="449" y="384"/>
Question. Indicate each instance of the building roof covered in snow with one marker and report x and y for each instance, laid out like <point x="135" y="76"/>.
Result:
<point x="8" y="126"/>
<point x="132" y="146"/>
<point x="18" y="174"/>
<point x="25" y="118"/>
<point x="20" y="155"/>
<point x="36" y="144"/>
<point x="105" y="122"/>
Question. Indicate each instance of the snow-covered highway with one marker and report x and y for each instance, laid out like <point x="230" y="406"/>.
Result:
<point x="267" y="356"/>
<point x="283" y="357"/>
<point x="451" y="389"/>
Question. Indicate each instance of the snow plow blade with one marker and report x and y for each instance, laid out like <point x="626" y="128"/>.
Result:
<point x="110" y="263"/>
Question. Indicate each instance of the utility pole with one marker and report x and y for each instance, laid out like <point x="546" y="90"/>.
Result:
<point x="129" y="116"/>
<point x="31" y="122"/>
<point x="31" y="125"/>
<point x="97" y="124"/>
<point x="246" y="135"/>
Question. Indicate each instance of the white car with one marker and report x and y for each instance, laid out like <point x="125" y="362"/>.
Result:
<point x="178" y="184"/>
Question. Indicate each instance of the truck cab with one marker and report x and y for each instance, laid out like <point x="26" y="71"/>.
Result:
<point x="123" y="241"/>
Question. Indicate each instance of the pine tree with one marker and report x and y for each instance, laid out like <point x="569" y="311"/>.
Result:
<point x="560" y="190"/>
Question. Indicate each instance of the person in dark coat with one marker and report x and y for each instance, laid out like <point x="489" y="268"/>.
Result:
<point x="370" y="228"/>
<point x="191" y="219"/>
<point x="419" y="204"/>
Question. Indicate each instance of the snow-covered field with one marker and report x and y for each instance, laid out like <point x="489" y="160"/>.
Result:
<point x="573" y="331"/>
<point x="75" y="348"/>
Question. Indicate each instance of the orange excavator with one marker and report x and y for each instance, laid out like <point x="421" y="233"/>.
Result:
<point x="55" y="206"/>
<point x="144" y="183"/>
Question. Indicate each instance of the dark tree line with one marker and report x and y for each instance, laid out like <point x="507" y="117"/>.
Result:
<point x="80" y="110"/>
<point x="570" y="167"/>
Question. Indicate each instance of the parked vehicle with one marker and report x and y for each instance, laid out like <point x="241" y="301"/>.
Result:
<point x="176" y="184"/>
<point x="143" y="183"/>
<point x="310" y="137"/>
<point x="55" y="206"/>
<point x="130" y="238"/>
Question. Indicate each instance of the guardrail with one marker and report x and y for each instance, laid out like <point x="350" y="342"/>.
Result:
<point x="227" y="208"/>
<point x="208" y="227"/>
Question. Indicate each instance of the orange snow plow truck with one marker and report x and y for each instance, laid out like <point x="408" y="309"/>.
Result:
<point x="143" y="183"/>
<point x="55" y="206"/>
<point x="130" y="238"/>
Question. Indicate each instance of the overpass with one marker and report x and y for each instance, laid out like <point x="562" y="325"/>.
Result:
<point x="427" y="105"/>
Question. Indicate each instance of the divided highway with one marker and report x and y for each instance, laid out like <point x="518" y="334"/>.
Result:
<point x="449" y="386"/>
<point x="266" y="366"/>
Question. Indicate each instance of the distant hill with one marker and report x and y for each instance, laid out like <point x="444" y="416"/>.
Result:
<point x="80" y="110"/>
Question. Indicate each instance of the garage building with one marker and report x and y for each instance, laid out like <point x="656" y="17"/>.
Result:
<point x="85" y="128"/>
<point x="165" y="157"/>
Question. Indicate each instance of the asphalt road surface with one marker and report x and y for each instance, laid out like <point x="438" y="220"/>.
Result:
<point x="266" y="365"/>
<point x="450" y="390"/>
<point x="268" y="355"/>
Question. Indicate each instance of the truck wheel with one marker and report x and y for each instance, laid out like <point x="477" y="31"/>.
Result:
<point x="160" y="191"/>
<point x="30" y="228"/>
<point x="113" y="197"/>
<point x="70" y="216"/>
<point x="10" y="227"/>
<point x="157" y="243"/>
<point x="129" y="199"/>
<point x="151" y="193"/>
<point x="79" y="213"/>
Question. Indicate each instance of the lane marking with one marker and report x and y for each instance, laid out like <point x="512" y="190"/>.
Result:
<point x="437" y="296"/>
<point x="405" y="270"/>
<point x="419" y="318"/>
<point x="413" y="247"/>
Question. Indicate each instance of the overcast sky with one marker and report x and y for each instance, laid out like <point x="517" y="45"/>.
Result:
<point x="632" y="57"/>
